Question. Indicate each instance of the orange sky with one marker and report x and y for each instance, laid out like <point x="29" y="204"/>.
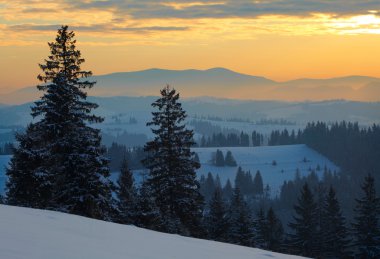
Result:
<point x="279" y="40"/>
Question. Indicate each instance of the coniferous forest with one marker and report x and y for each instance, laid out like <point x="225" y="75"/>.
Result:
<point x="60" y="164"/>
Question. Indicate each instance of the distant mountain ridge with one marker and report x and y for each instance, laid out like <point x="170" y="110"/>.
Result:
<point x="366" y="113"/>
<point x="221" y="83"/>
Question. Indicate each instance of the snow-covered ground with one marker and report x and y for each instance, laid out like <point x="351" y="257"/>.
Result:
<point x="39" y="234"/>
<point x="288" y="159"/>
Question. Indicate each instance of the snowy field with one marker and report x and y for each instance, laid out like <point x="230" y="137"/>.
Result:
<point x="288" y="159"/>
<point x="39" y="234"/>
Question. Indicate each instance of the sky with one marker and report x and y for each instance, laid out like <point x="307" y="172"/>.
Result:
<point x="278" y="39"/>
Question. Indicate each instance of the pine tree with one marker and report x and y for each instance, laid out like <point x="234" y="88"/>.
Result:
<point x="69" y="156"/>
<point x="230" y="160"/>
<point x="147" y="213"/>
<point x="209" y="187"/>
<point x="320" y="198"/>
<point x="217" y="222"/>
<point x="172" y="177"/>
<point x="196" y="158"/>
<point x="218" y="183"/>
<point x="261" y="230"/>
<point x="302" y="240"/>
<point x="240" y="180"/>
<point x="219" y="158"/>
<point x="126" y="195"/>
<point x="258" y="186"/>
<point x="228" y="190"/>
<point x="366" y="227"/>
<point x="334" y="234"/>
<point x="248" y="185"/>
<point x="28" y="183"/>
<point x="274" y="231"/>
<point x="241" y="223"/>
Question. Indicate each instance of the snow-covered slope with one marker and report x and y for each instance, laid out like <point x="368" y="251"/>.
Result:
<point x="288" y="159"/>
<point x="38" y="234"/>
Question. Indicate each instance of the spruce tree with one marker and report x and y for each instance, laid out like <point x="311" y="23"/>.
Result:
<point x="70" y="158"/>
<point x="248" y="185"/>
<point x="241" y="223"/>
<point x="217" y="221"/>
<point x="366" y="227"/>
<point x="240" y="180"/>
<point x="258" y="186"/>
<point x="302" y="240"/>
<point x="219" y="158"/>
<point x="218" y="183"/>
<point x="230" y="160"/>
<point x="334" y="234"/>
<point x="172" y="177"/>
<point x="147" y="214"/>
<point x="261" y="226"/>
<point x="228" y="190"/>
<point x="209" y="187"/>
<point x="126" y="195"/>
<point x="196" y="158"/>
<point x="274" y="231"/>
<point x="28" y="184"/>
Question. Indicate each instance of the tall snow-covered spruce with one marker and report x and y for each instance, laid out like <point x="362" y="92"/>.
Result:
<point x="171" y="163"/>
<point x="68" y="166"/>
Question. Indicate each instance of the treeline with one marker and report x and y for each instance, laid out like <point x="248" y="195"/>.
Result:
<point x="124" y="138"/>
<point x="317" y="228"/>
<point x="133" y="156"/>
<point x="232" y="140"/>
<point x="250" y="187"/>
<point x="284" y="137"/>
<point x="354" y="149"/>
<point x="262" y="121"/>
<point x="320" y="230"/>
<point x="206" y="128"/>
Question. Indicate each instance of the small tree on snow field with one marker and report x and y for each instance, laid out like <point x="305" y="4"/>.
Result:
<point x="172" y="177"/>
<point x="230" y="160"/>
<point x="219" y="158"/>
<point x="67" y="163"/>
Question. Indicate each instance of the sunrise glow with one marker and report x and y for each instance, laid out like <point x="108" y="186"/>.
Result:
<point x="266" y="38"/>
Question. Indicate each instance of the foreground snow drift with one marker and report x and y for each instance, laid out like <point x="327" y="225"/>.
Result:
<point x="39" y="234"/>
